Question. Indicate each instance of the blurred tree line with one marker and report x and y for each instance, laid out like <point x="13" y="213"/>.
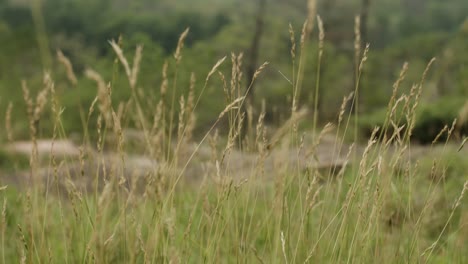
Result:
<point x="398" y="31"/>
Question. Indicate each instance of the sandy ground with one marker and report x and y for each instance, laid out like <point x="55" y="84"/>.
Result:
<point x="194" y="163"/>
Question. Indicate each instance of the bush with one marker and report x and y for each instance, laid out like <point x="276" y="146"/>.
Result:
<point x="431" y="118"/>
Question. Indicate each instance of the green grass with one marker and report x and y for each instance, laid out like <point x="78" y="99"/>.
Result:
<point x="383" y="217"/>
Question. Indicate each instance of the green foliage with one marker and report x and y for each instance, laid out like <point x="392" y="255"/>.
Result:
<point x="431" y="118"/>
<point x="11" y="162"/>
<point x="398" y="32"/>
<point x="99" y="21"/>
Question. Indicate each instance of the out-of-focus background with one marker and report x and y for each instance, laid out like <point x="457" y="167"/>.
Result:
<point x="398" y="30"/>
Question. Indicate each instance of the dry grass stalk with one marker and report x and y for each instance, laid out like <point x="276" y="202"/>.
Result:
<point x="303" y="36"/>
<point x="313" y="202"/>
<point x="68" y="67"/>
<point x="421" y="84"/>
<point x="417" y="94"/>
<point x="225" y="87"/>
<point x="57" y="115"/>
<point x="462" y="144"/>
<point x="164" y="83"/>
<point x="182" y="120"/>
<point x="259" y="70"/>
<point x="35" y="110"/>
<point x="239" y="71"/>
<point x="321" y="34"/>
<point x="371" y="142"/>
<point x="345" y="102"/>
<point x="120" y="55"/>
<point x="180" y="46"/>
<point x="233" y="105"/>
<point x="426" y="71"/>
<point x="312" y="198"/>
<point x="357" y="38"/>
<point x="452" y="128"/>
<point x="233" y="76"/>
<point x="25" y="244"/>
<point x="118" y="130"/>
<point x="32" y="124"/>
<point x="157" y="117"/>
<point x="191" y="95"/>
<point x="82" y="157"/>
<point x="261" y="144"/>
<point x="311" y="13"/>
<point x="364" y="57"/>
<point x="397" y="83"/>
<point x="236" y="75"/>
<point x="191" y="117"/>
<point x="283" y="247"/>
<point x="41" y="98"/>
<point x="393" y="102"/>
<point x="190" y="127"/>
<point x="392" y="112"/>
<point x="442" y="131"/>
<point x="213" y="142"/>
<point x="131" y="73"/>
<point x="99" y="132"/>
<point x="293" y="43"/>
<point x="103" y="94"/>
<point x="215" y="67"/>
<point x="234" y="133"/>
<point x="136" y="66"/>
<point x="92" y="106"/>
<point x="458" y="201"/>
<point x="8" y="127"/>
<point x="397" y="132"/>
<point x="260" y="129"/>
<point x="297" y="85"/>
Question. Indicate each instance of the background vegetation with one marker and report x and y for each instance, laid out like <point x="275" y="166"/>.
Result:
<point x="398" y="31"/>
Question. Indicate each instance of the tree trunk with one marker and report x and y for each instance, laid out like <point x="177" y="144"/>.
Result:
<point x="365" y="5"/>
<point x="254" y="49"/>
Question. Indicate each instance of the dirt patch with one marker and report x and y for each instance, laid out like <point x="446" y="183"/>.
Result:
<point x="44" y="148"/>
<point x="328" y="155"/>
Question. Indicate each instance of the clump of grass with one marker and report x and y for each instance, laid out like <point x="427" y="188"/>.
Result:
<point x="376" y="205"/>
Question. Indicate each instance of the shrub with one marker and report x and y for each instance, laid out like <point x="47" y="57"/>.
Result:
<point x="431" y="118"/>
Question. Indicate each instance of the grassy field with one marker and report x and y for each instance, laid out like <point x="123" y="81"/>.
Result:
<point x="374" y="202"/>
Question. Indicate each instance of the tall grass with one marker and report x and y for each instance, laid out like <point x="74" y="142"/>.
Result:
<point x="378" y="205"/>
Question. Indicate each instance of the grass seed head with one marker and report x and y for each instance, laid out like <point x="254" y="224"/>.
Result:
<point x="180" y="46"/>
<point x="68" y="67"/>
